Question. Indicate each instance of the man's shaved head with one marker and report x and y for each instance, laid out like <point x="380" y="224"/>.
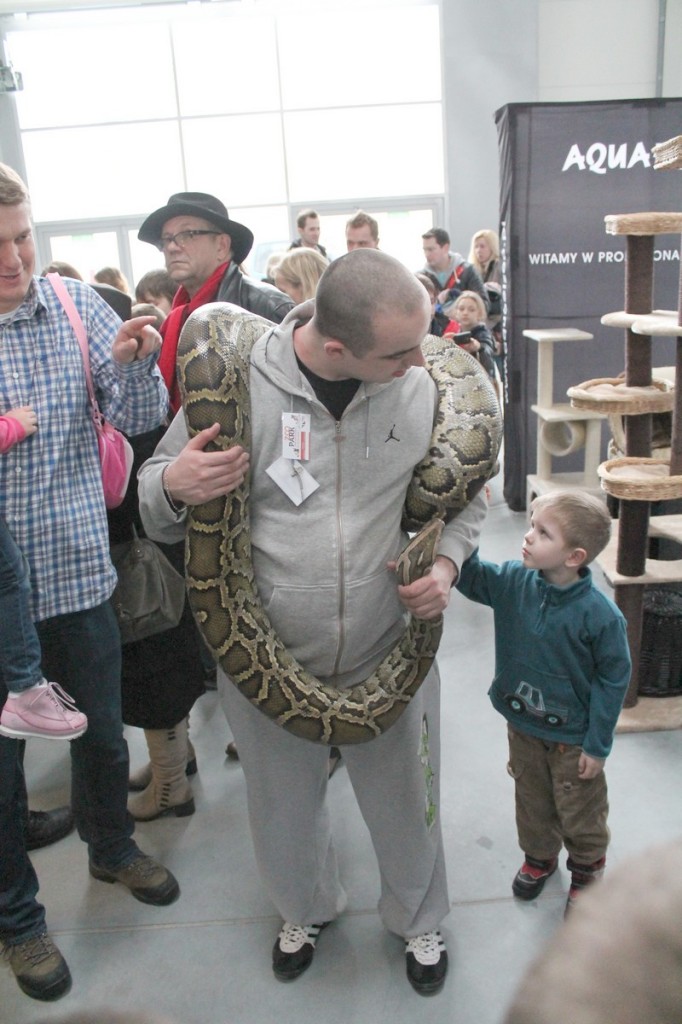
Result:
<point x="354" y="292"/>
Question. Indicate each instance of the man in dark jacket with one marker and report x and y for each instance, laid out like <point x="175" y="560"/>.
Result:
<point x="203" y="249"/>
<point x="308" y="227"/>
<point x="455" y="274"/>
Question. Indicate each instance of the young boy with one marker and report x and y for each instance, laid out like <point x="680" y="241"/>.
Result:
<point x="34" y="707"/>
<point x="562" y="670"/>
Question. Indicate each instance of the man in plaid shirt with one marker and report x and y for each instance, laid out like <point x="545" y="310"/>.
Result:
<point x="51" y="497"/>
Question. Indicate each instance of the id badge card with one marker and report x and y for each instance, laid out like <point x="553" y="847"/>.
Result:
<point x="296" y="436"/>
<point x="288" y="470"/>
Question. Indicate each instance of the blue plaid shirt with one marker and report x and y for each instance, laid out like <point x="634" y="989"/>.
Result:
<point x="50" y="483"/>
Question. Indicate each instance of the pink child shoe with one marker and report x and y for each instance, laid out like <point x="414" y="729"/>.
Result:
<point x="45" y="712"/>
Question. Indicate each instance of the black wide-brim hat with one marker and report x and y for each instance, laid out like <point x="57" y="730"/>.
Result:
<point x="198" y="204"/>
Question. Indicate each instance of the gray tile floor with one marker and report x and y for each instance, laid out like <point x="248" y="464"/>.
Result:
<point x="206" y="959"/>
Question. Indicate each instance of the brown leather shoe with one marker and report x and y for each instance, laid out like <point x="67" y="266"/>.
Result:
<point x="148" y="881"/>
<point x="40" y="969"/>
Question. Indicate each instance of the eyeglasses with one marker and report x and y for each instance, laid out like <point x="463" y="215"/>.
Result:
<point x="182" y="238"/>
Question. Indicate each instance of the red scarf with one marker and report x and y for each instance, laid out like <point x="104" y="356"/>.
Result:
<point x="171" y="327"/>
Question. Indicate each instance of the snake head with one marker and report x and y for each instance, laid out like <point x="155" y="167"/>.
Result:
<point x="419" y="553"/>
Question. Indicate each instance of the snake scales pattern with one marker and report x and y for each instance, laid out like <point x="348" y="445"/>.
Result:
<point x="213" y="371"/>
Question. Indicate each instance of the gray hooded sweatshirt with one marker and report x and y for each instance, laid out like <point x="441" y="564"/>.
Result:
<point x="320" y="567"/>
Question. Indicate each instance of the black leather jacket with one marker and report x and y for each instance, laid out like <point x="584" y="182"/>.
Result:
<point x="254" y="296"/>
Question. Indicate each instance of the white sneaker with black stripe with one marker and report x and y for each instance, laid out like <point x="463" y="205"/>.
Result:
<point x="427" y="962"/>
<point x="293" y="952"/>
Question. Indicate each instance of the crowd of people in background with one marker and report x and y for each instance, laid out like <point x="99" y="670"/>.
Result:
<point x="447" y="276"/>
<point x="446" y="273"/>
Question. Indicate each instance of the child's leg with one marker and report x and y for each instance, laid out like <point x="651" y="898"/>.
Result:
<point x="19" y="645"/>
<point x="537" y="822"/>
<point x="33" y="707"/>
<point x="583" y="807"/>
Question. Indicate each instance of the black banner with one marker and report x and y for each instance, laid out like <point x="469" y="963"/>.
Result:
<point x="563" y="168"/>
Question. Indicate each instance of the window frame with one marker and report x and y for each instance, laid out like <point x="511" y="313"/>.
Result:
<point x="57" y="13"/>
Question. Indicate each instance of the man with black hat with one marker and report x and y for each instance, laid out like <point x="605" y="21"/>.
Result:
<point x="203" y="248"/>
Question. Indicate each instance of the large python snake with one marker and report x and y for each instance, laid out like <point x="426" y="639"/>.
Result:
<point x="213" y="372"/>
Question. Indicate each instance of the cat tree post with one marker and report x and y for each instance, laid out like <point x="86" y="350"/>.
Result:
<point x="634" y="515"/>
<point x="637" y="479"/>
<point x="641" y="325"/>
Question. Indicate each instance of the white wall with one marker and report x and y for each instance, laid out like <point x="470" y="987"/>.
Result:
<point x="489" y="57"/>
<point x="597" y="49"/>
<point x="523" y="51"/>
<point x="672" y="71"/>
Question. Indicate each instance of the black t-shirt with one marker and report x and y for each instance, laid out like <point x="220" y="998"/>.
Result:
<point x="335" y="395"/>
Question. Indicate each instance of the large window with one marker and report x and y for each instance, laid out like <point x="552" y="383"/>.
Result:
<point x="271" y="107"/>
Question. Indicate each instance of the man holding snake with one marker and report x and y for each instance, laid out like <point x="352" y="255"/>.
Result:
<point x="346" y="371"/>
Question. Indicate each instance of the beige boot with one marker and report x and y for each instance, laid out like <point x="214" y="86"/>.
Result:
<point x="140" y="779"/>
<point x="168" y="791"/>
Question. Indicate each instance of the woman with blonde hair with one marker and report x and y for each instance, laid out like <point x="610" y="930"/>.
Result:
<point x="485" y="256"/>
<point x="298" y="273"/>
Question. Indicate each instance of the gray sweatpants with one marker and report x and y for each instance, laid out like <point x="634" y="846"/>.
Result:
<point x="396" y="780"/>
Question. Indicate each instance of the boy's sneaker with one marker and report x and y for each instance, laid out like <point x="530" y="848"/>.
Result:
<point x="39" y="967"/>
<point x="427" y="963"/>
<point x="530" y="879"/>
<point x="582" y="875"/>
<point x="44" y="711"/>
<point x="293" y="952"/>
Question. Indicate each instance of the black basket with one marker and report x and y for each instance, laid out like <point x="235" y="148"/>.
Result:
<point x="660" y="665"/>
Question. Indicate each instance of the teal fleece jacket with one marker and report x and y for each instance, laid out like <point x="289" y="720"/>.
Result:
<point x="562" y="662"/>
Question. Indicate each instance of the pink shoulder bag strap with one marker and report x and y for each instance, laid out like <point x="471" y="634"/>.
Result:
<point x="115" y="453"/>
